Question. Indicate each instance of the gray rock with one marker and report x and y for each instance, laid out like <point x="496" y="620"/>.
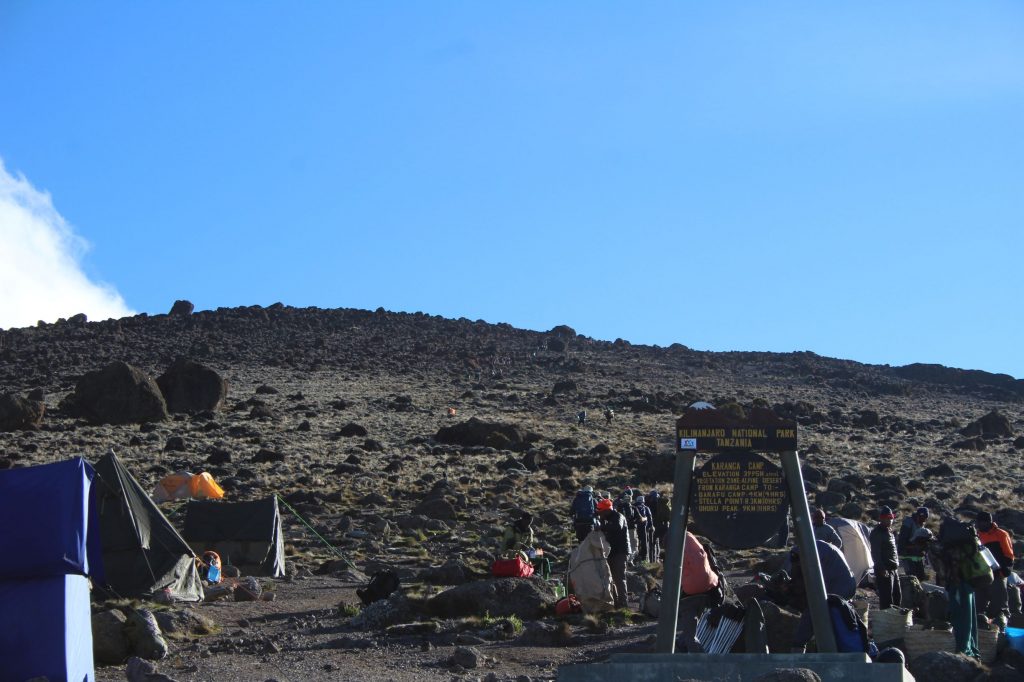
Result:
<point x="789" y="675"/>
<point x="499" y="597"/>
<point x="188" y="386"/>
<point x="992" y="425"/>
<point x="248" y="589"/>
<point x="144" y="637"/>
<point x="829" y="498"/>
<point x="109" y="644"/>
<point x="468" y="657"/>
<point x="139" y="670"/>
<point x="1010" y="519"/>
<point x="384" y="613"/>
<point x="351" y="430"/>
<point x="452" y="572"/>
<point x="17" y="413"/>
<point x="944" y="666"/>
<point x="116" y="394"/>
<point x="439" y="509"/>
<point x="184" y="621"/>
<point x="182" y="308"/>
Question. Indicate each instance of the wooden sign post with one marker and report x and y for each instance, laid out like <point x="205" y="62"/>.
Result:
<point x="740" y="502"/>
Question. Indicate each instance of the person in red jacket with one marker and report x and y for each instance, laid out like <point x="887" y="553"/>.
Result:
<point x="698" y="590"/>
<point x="992" y="603"/>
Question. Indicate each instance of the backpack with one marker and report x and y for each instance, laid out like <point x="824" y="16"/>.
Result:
<point x="568" y="606"/>
<point x="381" y="585"/>
<point x="583" y="507"/>
<point x="626" y="508"/>
<point x="850" y="631"/>
<point x="975" y="570"/>
<point x="960" y="552"/>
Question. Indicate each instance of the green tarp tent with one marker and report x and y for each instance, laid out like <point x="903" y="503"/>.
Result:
<point x="142" y="553"/>
<point x="246" y="535"/>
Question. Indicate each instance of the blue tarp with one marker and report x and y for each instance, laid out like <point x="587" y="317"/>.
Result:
<point x="48" y="521"/>
<point x="46" y="629"/>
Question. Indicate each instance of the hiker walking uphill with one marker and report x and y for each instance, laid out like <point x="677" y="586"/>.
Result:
<point x="583" y="513"/>
<point x="886" y="561"/>
<point x="993" y="603"/>
<point x="613" y="525"/>
<point x="912" y="543"/>
<point x="624" y="505"/>
<point x="661" y="507"/>
<point x="644" y="529"/>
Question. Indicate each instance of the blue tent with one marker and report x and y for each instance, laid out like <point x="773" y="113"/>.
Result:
<point x="46" y="629"/>
<point x="47" y="513"/>
<point x="48" y="546"/>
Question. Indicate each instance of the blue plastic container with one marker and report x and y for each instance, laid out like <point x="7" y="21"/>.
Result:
<point x="1015" y="638"/>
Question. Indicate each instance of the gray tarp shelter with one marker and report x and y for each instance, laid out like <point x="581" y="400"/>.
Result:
<point x="142" y="553"/>
<point x="246" y="535"/>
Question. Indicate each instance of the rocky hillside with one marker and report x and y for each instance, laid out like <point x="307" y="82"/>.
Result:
<point x="409" y="439"/>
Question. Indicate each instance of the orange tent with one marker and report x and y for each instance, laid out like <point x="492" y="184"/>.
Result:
<point x="182" y="484"/>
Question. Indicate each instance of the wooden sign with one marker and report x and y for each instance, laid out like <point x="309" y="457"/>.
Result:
<point x="712" y="430"/>
<point x="739" y="499"/>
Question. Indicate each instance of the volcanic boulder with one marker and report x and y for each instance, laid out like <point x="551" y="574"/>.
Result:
<point x="477" y="432"/>
<point x="117" y="394"/>
<point x="17" y="413"/>
<point x="182" y="308"/>
<point x="565" y="386"/>
<point x="992" y="425"/>
<point x="188" y="386"/>
<point x="944" y="666"/>
<point x="498" y="597"/>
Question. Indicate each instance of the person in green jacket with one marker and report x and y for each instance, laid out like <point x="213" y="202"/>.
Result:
<point x="912" y="541"/>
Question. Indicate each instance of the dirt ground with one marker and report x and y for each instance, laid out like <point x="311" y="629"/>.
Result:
<point x="303" y="635"/>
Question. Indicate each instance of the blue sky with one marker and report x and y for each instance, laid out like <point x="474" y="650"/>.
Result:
<point x="729" y="176"/>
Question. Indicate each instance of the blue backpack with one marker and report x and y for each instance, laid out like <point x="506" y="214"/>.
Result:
<point x="583" y="507"/>
<point x="850" y="631"/>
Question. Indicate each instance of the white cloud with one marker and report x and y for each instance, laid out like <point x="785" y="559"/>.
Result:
<point x="40" y="274"/>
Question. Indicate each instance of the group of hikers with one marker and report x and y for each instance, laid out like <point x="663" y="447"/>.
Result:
<point x="972" y="562"/>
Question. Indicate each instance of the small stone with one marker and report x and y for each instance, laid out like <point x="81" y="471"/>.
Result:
<point x="467" y="657"/>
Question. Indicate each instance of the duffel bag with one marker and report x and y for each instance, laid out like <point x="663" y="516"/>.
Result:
<point x="511" y="568"/>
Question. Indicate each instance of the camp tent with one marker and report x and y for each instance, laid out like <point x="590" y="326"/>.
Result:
<point x="48" y="546"/>
<point x="856" y="545"/>
<point x="142" y="553"/>
<point x="247" y="535"/>
<point x="183" y="485"/>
